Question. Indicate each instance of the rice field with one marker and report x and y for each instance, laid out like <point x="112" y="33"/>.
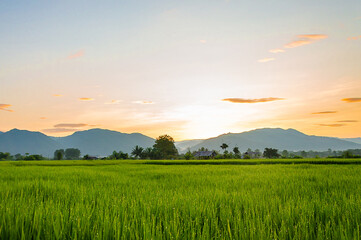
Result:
<point x="165" y="200"/>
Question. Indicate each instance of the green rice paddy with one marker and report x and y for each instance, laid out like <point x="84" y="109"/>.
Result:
<point x="227" y="199"/>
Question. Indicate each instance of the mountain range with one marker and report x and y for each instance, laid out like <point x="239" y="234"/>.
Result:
<point x="102" y="142"/>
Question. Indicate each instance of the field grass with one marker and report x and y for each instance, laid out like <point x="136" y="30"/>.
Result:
<point x="201" y="200"/>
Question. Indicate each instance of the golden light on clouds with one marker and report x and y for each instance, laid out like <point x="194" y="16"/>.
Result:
<point x="332" y="125"/>
<point x="325" y="112"/>
<point x="305" y="39"/>
<point x="263" y="60"/>
<point x="143" y="102"/>
<point x="348" y="121"/>
<point x="276" y="50"/>
<point x="86" y="99"/>
<point x="76" y="55"/>
<point x="114" y="102"/>
<point x="5" y="107"/>
<point x="354" y="38"/>
<point x="43" y="118"/>
<point x="257" y="100"/>
<point x="58" y="130"/>
<point x="351" y="100"/>
<point x="70" y="125"/>
<point x="57" y="95"/>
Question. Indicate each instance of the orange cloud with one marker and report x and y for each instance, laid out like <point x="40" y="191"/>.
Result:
<point x="297" y="43"/>
<point x="277" y="50"/>
<point x="313" y="36"/>
<point x="70" y="125"/>
<point x="57" y="95"/>
<point x="113" y="102"/>
<point x="43" y="118"/>
<point x="76" y="55"/>
<point x="332" y="125"/>
<point x="5" y="107"/>
<point x="143" y="102"/>
<point x="257" y="100"/>
<point x="266" y="60"/>
<point x="305" y="39"/>
<point x="58" y="130"/>
<point x="86" y="99"/>
<point x="351" y="100"/>
<point x="325" y="112"/>
<point x="354" y="38"/>
<point x="348" y="121"/>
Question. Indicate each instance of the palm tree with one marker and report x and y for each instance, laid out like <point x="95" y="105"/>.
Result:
<point x="137" y="151"/>
<point x="224" y="146"/>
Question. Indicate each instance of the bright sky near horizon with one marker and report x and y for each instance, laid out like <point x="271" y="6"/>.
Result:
<point x="191" y="69"/>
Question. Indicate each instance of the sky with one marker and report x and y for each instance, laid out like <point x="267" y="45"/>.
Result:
<point x="190" y="69"/>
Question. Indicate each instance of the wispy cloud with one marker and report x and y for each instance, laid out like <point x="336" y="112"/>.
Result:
<point x="43" y="118"/>
<point x="305" y="39"/>
<point x="347" y="121"/>
<point x="332" y="125"/>
<point x="202" y="41"/>
<point x="257" y="100"/>
<point x="59" y="130"/>
<point x="70" y="125"/>
<point x="57" y="95"/>
<point x="263" y="60"/>
<point x="114" y="102"/>
<point x="143" y="102"/>
<point x="354" y="38"/>
<point x="5" y="107"/>
<point x="351" y="100"/>
<point x="276" y="50"/>
<point x="86" y="99"/>
<point x="325" y="112"/>
<point x="76" y="55"/>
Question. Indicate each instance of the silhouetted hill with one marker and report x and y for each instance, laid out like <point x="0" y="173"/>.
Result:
<point x="22" y="141"/>
<point x="289" y="139"/>
<point x="103" y="142"/>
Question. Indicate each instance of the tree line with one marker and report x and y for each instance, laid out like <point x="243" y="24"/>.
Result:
<point x="164" y="148"/>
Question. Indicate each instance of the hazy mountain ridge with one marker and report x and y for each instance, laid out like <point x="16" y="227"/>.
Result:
<point x="355" y="140"/>
<point x="102" y="142"/>
<point x="289" y="139"/>
<point x="99" y="142"/>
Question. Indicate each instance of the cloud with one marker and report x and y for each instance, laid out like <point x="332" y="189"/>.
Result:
<point x="76" y="55"/>
<point x="86" y="99"/>
<point x="276" y="50"/>
<point x="257" y="100"/>
<point x="114" y="102"/>
<point x="143" y="102"/>
<point x="351" y="100"/>
<point x="305" y="39"/>
<point x="347" y="121"/>
<point x="263" y="60"/>
<point x="354" y="38"/>
<point x="332" y="125"/>
<point x="325" y="112"/>
<point x="71" y="125"/>
<point x="43" y="118"/>
<point x="313" y="36"/>
<point x="202" y="41"/>
<point x="58" y="130"/>
<point x="5" y="107"/>
<point x="57" y="95"/>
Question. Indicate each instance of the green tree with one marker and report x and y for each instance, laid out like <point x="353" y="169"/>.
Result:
<point x="59" y="154"/>
<point x="285" y="154"/>
<point x="165" y="146"/>
<point x="72" y="153"/>
<point x="224" y="146"/>
<point x="137" y="151"/>
<point x="4" y="156"/>
<point x="188" y="155"/>
<point x="236" y="150"/>
<point x="271" y="153"/>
